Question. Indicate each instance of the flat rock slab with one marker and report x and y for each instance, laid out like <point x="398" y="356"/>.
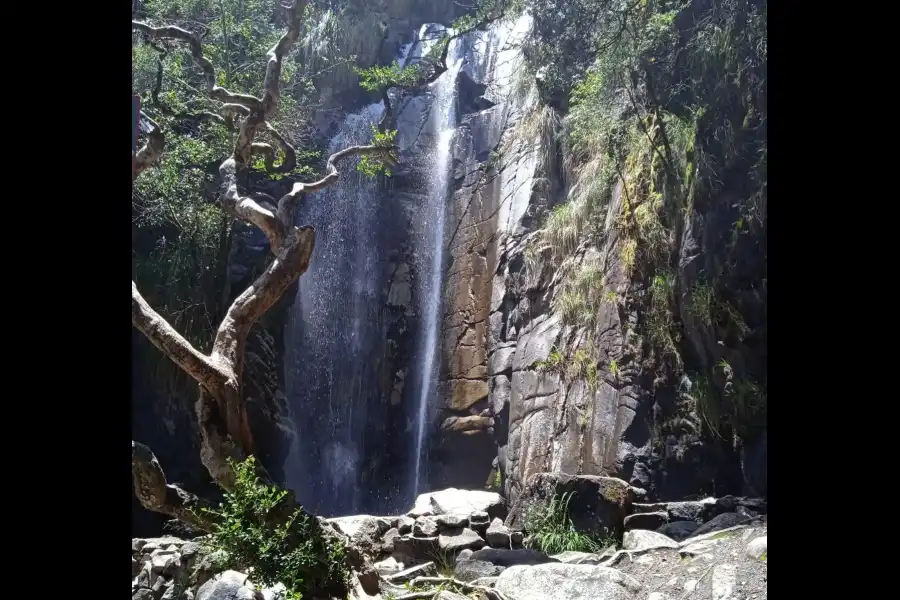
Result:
<point x="459" y="502"/>
<point x="511" y="558"/>
<point x="567" y="582"/>
<point x="465" y="538"/>
<point x="640" y="540"/>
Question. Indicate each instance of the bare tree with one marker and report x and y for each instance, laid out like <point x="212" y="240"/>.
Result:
<point x="224" y="428"/>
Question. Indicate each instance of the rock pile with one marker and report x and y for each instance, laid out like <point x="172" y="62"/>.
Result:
<point x="716" y="548"/>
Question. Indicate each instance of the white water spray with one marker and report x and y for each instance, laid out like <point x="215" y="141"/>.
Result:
<point x="443" y="123"/>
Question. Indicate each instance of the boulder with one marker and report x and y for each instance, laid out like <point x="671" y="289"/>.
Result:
<point x="425" y="527"/>
<point x="578" y="558"/>
<point x="511" y="558"/>
<point x="405" y="524"/>
<point x="470" y="570"/>
<point x="597" y="505"/>
<point x="459" y="502"/>
<point x="497" y="534"/>
<point x="569" y="582"/>
<point x="452" y="521"/>
<point x="229" y="585"/>
<point x="650" y="520"/>
<point x="448" y="595"/>
<point x="365" y="532"/>
<point x="459" y="539"/>
<point x="759" y="548"/>
<point x="411" y="550"/>
<point x="639" y="540"/>
<point x="679" y="530"/>
<point x="720" y="522"/>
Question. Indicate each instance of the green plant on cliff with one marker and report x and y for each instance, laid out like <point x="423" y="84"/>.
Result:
<point x="294" y="552"/>
<point x="550" y="528"/>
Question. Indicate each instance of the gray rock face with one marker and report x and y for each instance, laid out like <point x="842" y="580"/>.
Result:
<point x="571" y="582"/>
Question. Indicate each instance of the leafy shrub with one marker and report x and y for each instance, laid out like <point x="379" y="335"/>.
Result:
<point x="551" y="530"/>
<point x="293" y="551"/>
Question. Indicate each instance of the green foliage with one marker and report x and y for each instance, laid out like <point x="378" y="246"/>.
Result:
<point x="583" y="365"/>
<point x="181" y="237"/>
<point x="294" y="552"/>
<point x="703" y="302"/>
<point x="550" y="529"/>
<point x="554" y="363"/>
<point x="372" y="165"/>
<point x="378" y="78"/>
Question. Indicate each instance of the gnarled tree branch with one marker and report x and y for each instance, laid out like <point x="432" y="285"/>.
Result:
<point x="156" y="494"/>
<point x="224" y="426"/>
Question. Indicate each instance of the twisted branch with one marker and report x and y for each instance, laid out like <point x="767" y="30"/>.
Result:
<point x="225" y="431"/>
<point x="156" y="494"/>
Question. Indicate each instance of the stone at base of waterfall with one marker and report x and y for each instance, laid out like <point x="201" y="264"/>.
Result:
<point x="452" y="521"/>
<point x="567" y="582"/>
<point x="498" y="534"/>
<point x="650" y="520"/>
<point x="426" y="569"/>
<point x="405" y="525"/>
<point x="511" y="558"/>
<point x="467" y="569"/>
<point x="459" y="502"/>
<point x="640" y="540"/>
<point x="679" y="530"/>
<point x="425" y="527"/>
<point x="229" y="585"/>
<point x="410" y="549"/>
<point x="758" y="548"/>
<point x="389" y="566"/>
<point x="455" y="540"/>
<point x="571" y="557"/>
<point x="448" y="595"/>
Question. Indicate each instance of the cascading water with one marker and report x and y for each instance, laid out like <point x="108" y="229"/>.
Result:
<point x="431" y="252"/>
<point x="334" y="344"/>
<point x="333" y="332"/>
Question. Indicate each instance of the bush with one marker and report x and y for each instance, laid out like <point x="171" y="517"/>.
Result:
<point x="550" y="529"/>
<point x="295" y="551"/>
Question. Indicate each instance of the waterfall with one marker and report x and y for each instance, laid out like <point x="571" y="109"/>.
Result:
<point x="333" y="332"/>
<point x="431" y="251"/>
